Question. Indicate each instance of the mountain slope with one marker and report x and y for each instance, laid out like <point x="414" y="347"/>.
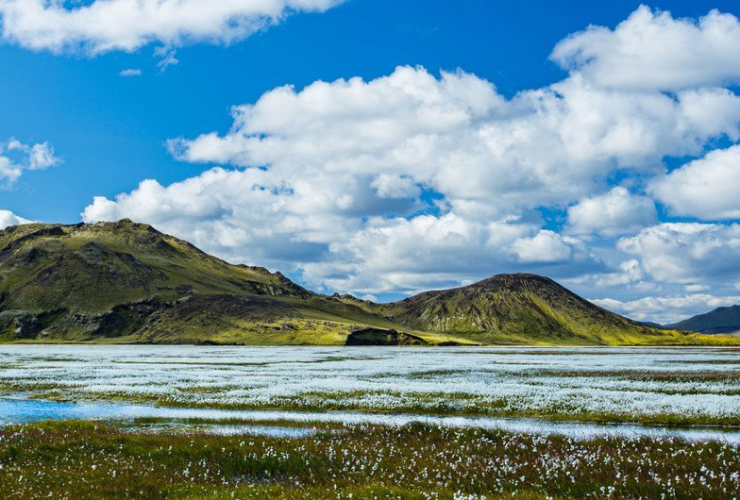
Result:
<point x="721" y="320"/>
<point x="128" y="283"/>
<point x="519" y="307"/>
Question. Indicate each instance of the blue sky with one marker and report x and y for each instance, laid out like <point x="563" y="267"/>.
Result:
<point x="111" y="132"/>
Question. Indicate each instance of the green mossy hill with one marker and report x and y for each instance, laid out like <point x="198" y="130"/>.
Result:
<point x="124" y="282"/>
<point x="523" y="308"/>
<point x="92" y="268"/>
<point x="127" y="282"/>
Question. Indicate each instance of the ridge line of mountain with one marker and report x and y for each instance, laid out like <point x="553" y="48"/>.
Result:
<point x="125" y="282"/>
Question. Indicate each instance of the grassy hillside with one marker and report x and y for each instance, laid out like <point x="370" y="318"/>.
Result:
<point x="523" y="308"/>
<point x="126" y="283"/>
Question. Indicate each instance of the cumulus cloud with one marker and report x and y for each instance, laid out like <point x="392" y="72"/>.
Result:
<point x="413" y="180"/>
<point x="458" y="136"/>
<point x="102" y="26"/>
<point x="705" y="188"/>
<point x="667" y="310"/>
<point x="616" y="212"/>
<point x="425" y="252"/>
<point x="17" y="157"/>
<point x="249" y="216"/>
<point x="327" y="166"/>
<point x="8" y="218"/>
<point x="652" y="50"/>
<point x="688" y="253"/>
<point x="628" y="272"/>
<point x="545" y="246"/>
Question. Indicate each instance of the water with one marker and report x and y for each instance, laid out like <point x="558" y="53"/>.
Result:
<point x="18" y="411"/>
<point x="23" y="411"/>
<point x="688" y="385"/>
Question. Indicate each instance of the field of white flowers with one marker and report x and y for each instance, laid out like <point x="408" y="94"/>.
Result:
<point x="92" y="461"/>
<point x="659" y="385"/>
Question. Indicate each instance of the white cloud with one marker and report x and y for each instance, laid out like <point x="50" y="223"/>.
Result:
<point x="331" y="170"/>
<point x="17" y="157"/>
<point x="247" y="217"/>
<point x="243" y="216"/>
<point x="167" y="57"/>
<point x="545" y="246"/>
<point x="667" y="310"/>
<point x="629" y="272"/>
<point x="652" y="50"/>
<point x="395" y="186"/>
<point x="428" y="252"/>
<point x="706" y="188"/>
<point x="8" y="218"/>
<point x="131" y="72"/>
<point x="614" y="213"/>
<point x="412" y="181"/>
<point x="458" y="136"/>
<point x="106" y="25"/>
<point x="689" y="253"/>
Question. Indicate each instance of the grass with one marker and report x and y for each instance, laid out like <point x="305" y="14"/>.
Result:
<point x="86" y="460"/>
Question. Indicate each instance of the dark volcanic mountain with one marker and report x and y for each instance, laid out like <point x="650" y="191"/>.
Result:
<point x="721" y="320"/>
<point x="128" y="283"/>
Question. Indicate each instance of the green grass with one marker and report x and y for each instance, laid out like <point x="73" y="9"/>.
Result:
<point x="85" y="460"/>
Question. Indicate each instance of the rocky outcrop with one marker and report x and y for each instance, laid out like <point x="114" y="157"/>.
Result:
<point x="379" y="337"/>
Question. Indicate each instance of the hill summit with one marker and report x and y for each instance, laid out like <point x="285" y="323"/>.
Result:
<point x="123" y="282"/>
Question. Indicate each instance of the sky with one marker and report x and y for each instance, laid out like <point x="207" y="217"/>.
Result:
<point x="385" y="147"/>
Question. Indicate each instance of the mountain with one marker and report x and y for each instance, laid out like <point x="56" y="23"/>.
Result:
<point x="125" y="282"/>
<point x="521" y="307"/>
<point x="721" y="320"/>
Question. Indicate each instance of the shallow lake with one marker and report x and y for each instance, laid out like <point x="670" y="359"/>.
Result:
<point x="380" y="385"/>
<point x="25" y="411"/>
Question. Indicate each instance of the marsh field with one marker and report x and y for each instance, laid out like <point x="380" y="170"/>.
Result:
<point x="310" y="422"/>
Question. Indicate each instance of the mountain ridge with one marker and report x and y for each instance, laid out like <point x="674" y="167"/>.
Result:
<point x="722" y="320"/>
<point x="124" y="282"/>
<point x="493" y="308"/>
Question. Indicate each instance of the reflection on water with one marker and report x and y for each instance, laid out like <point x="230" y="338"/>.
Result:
<point x="20" y="411"/>
<point x="17" y="411"/>
<point x="225" y="429"/>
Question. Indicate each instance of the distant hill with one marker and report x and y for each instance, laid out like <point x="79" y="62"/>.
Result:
<point x="725" y="320"/>
<point x="125" y="282"/>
